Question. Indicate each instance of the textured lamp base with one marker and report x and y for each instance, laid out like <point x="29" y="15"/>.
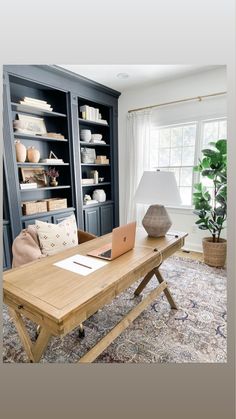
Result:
<point x="156" y="221"/>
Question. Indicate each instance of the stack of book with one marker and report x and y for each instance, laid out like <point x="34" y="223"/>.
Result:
<point x="92" y="114"/>
<point x="36" y="103"/>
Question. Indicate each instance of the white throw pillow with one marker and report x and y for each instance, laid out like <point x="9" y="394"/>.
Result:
<point x="54" y="238"/>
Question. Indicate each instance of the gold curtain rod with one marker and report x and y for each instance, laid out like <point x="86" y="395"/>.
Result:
<point x="177" y="101"/>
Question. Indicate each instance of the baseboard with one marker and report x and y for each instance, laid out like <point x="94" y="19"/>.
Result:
<point x="193" y="247"/>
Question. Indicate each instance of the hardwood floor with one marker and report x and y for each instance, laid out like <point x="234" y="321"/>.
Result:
<point x="190" y="255"/>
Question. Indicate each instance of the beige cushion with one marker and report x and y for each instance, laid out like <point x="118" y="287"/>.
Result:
<point x="54" y="238"/>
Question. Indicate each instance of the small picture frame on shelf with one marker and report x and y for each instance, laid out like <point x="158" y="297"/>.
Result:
<point x="32" y="124"/>
<point x="31" y="175"/>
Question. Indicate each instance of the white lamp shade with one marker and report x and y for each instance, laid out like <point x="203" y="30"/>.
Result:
<point x="158" y="188"/>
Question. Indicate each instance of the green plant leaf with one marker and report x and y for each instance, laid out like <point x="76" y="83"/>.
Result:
<point x="221" y="145"/>
<point x="209" y="173"/>
<point x="209" y="153"/>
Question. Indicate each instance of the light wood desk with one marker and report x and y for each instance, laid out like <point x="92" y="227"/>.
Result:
<point x="60" y="300"/>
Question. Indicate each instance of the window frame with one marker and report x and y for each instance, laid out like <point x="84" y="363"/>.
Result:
<point x="198" y="147"/>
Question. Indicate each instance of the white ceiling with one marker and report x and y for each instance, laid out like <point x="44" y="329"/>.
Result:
<point x="138" y="74"/>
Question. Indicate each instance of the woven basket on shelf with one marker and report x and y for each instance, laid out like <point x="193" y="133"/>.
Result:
<point x="214" y="252"/>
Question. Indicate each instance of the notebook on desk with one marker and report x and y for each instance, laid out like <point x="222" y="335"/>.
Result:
<point x="123" y="239"/>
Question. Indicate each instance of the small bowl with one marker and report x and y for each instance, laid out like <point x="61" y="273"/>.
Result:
<point x="96" y="137"/>
<point x="101" y="179"/>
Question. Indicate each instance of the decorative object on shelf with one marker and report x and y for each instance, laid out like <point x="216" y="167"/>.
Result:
<point x="55" y="135"/>
<point x="33" y="125"/>
<point x="99" y="195"/>
<point x="89" y="201"/>
<point x="212" y="210"/>
<point x="33" y="155"/>
<point x="52" y="158"/>
<point x="56" y="203"/>
<point x="19" y="126"/>
<point x="34" y="176"/>
<point x="87" y="198"/>
<point x="53" y="174"/>
<point x="88" y="155"/>
<point x="28" y="185"/>
<point x="85" y="135"/>
<point x="20" y="151"/>
<point x="102" y="160"/>
<point x="96" y="137"/>
<point x="90" y="113"/>
<point x="95" y="176"/>
<point x="101" y="179"/>
<point x="157" y="187"/>
<point x="97" y="142"/>
<point x="36" y="103"/>
<point x="33" y="207"/>
<point x="87" y="181"/>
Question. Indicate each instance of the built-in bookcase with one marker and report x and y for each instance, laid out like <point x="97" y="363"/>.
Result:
<point x="66" y="93"/>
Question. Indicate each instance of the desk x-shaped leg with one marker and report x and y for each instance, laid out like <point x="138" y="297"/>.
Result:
<point x="160" y="279"/>
<point x="34" y="350"/>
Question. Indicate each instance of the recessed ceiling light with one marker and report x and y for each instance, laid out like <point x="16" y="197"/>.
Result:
<point x="122" y="75"/>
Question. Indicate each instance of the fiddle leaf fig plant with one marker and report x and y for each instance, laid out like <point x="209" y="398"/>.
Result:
<point x="212" y="209"/>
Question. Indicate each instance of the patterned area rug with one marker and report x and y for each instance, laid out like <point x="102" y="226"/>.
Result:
<point x="194" y="333"/>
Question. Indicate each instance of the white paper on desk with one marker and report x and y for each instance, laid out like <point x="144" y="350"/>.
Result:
<point x="69" y="264"/>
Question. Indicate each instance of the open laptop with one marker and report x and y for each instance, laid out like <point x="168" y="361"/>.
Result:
<point x="123" y="239"/>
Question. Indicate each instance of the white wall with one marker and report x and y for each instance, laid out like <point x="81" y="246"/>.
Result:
<point x="195" y="85"/>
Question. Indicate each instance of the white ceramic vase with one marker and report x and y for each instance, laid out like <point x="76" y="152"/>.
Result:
<point x="99" y="195"/>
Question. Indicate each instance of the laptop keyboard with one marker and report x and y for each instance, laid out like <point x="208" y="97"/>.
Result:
<point x="106" y="254"/>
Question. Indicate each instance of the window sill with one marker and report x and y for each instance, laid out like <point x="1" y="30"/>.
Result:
<point x="184" y="209"/>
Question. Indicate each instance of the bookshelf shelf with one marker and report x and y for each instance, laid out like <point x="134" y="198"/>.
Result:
<point x="43" y="214"/>
<point x="96" y="184"/>
<point x="93" y="144"/>
<point x="38" y="138"/>
<point x="47" y="188"/>
<point x="94" y="164"/>
<point x="35" y="111"/>
<point x="41" y="164"/>
<point x="88" y="122"/>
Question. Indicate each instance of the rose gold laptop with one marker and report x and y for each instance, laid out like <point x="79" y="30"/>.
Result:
<point x="123" y="239"/>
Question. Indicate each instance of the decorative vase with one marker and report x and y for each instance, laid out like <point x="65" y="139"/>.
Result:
<point x="214" y="253"/>
<point x="156" y="221"/>
<point x="20" y="151"/>
<point x="53" y="181"/>
<point x="33" y="155"/>
<point x="99" y="195"/>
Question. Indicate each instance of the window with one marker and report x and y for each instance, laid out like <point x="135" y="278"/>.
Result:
<point x="173" y="149"/>
<point x="177" y="148"/>
<point x="212" y="130"/>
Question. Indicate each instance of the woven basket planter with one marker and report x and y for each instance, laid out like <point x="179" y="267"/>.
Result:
<point x="214" y="252"/>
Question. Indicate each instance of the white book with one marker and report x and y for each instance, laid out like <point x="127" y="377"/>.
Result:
<point x="36" y="105"/>
<point x="85" y="108"/>
<point x="31" y="99"/>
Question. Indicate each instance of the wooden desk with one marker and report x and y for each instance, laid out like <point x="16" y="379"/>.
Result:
<point x="60" y="300"/>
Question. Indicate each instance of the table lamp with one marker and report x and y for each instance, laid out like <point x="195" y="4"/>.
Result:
<point x="157" y="188"/>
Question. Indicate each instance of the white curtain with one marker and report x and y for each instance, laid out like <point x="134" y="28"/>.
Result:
<point x="138" y="159"/>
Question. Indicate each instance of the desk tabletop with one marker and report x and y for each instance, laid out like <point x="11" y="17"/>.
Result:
<point x="57" y="293"/>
